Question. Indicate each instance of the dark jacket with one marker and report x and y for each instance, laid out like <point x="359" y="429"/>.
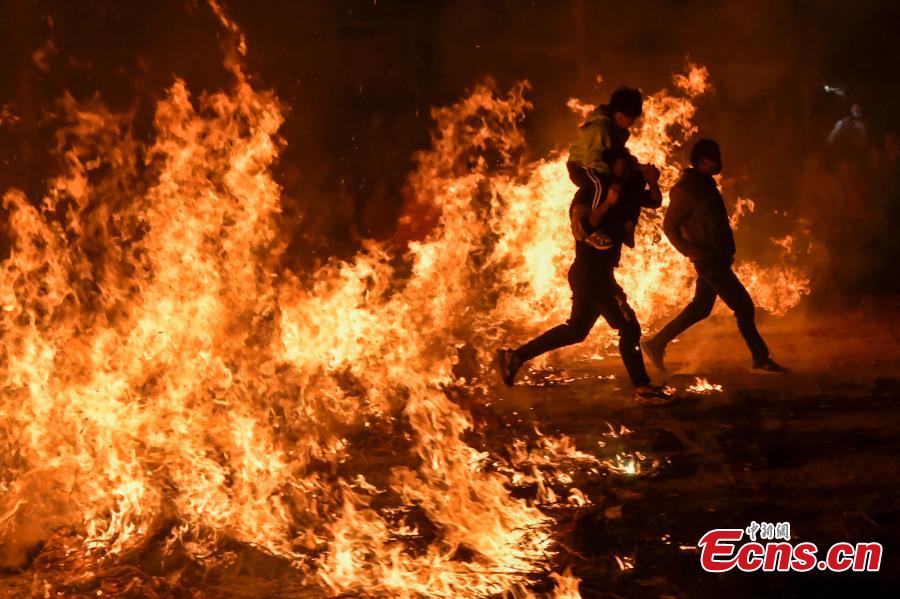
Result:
<point x="696" y="222"/>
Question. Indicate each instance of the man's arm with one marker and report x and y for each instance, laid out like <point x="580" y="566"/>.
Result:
<point x="837" y="131"/>
<point x="678" y="211"/>
<point x="653" y="199"/>
<point x="652" y="196"/>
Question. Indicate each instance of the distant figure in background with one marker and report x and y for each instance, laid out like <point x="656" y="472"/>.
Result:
<point x="697" y="224"/>
<point x="624" y="188"/>
<point x="850" y="134"/>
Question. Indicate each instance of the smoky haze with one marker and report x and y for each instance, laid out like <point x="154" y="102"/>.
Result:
<point x="360" y="77"/>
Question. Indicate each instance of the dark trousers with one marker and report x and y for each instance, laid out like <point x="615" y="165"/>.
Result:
<point x="719" y="281"/>
<point x="593" y="297"/>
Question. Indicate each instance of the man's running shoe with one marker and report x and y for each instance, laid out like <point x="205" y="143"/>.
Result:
<point x="769" y="366"/>
<point x="508" y="363"/>
<point x="653" y="395"/>
<point x="656" y="353"/>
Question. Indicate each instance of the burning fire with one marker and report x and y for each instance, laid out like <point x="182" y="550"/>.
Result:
<point x="167" y="379"/>
<point x="704" y="387"/>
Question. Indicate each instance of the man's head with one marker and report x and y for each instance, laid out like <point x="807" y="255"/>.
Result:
<point x="856" y="110"/>
<point x="626" y="105"/>
<point x="620" y="161"/>
<point x="706" y="157"/>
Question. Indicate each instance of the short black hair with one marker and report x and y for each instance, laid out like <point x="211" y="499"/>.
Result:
<point x="705" y="148"/>
<point x="628" y="101"/>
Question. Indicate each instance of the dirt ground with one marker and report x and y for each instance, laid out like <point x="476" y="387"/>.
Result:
<point x="817" y="448"/>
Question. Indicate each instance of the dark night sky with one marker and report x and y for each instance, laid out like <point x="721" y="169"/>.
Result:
<point x="360" y="75"/>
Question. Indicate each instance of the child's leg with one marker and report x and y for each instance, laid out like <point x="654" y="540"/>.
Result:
<point x="589" y="193"/>
<point x="588" y="183"/>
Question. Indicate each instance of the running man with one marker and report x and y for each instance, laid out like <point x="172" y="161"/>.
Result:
<point x="601" y="226"/>
<point x="697" y="224"/>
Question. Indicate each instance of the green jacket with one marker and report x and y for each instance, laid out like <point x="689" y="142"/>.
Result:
<point x="597" y="133"/>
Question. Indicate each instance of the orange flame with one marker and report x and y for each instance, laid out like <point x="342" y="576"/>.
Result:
<point x="703" y="387"/>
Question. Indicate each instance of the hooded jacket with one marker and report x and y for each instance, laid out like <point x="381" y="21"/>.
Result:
<point x="697" y="222"/>
<point x="596" y="134"/>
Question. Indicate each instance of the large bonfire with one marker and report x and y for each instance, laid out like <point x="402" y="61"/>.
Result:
<point x="166" y="378"/>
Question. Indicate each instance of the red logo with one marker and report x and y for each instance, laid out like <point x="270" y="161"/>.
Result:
<point x="721" y="551"/>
